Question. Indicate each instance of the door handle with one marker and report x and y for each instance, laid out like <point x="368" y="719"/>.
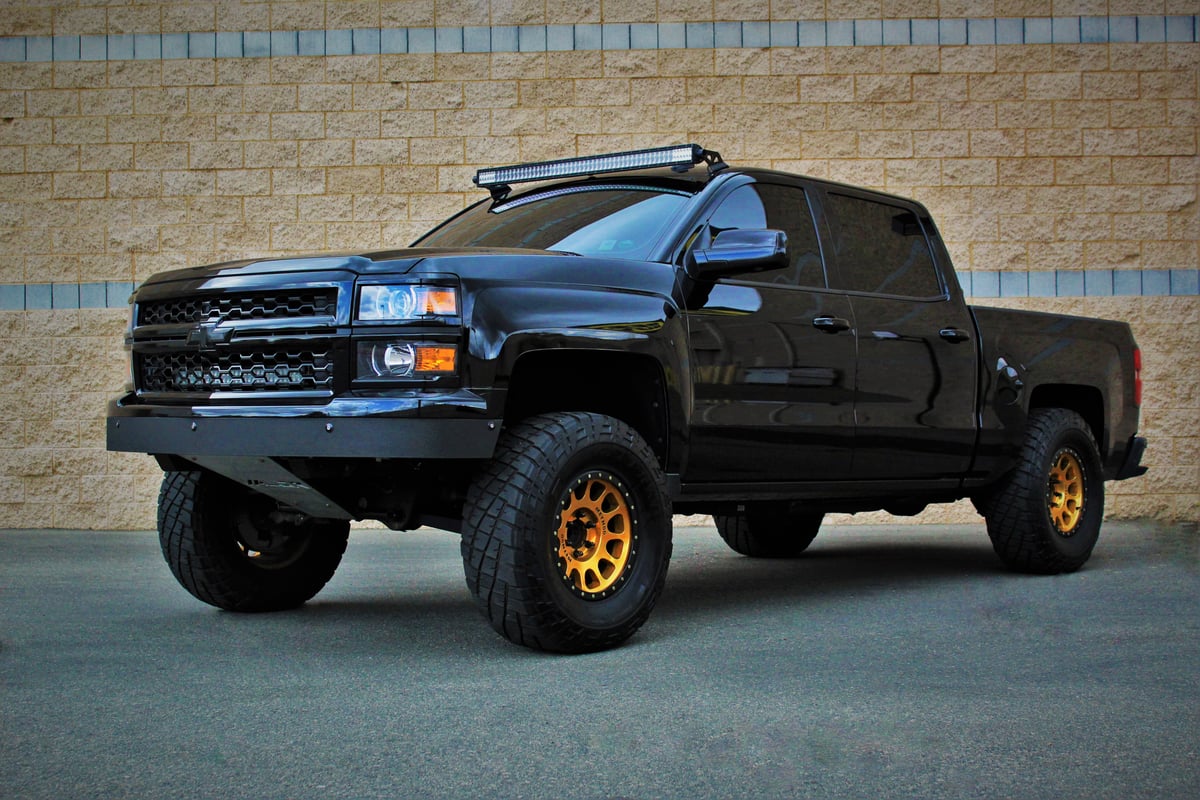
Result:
<point x="831" y="324"/>
<point x="955" y="335"/>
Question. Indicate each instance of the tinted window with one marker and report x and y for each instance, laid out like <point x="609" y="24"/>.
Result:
<point x="785" y="208"/>
<point x="615" y="221"/>
<point x="881" y="249"/>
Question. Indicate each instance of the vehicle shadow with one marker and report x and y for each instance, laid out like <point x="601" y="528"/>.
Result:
<point x="432" y="625"/>
<point x="433" y="615"/>
<point x="439" y="616"/>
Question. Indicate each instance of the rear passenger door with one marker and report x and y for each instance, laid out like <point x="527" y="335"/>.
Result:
<point x="772" y="355"/>
<point x="914" y="401"/>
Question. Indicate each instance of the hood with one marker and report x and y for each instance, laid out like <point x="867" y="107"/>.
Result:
<point x="363" y="263"/>
<point x="489" y="265"/>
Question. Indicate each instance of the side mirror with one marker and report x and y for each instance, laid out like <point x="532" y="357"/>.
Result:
<point x="735" y="251"/>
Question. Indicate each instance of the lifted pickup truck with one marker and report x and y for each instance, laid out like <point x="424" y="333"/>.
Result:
<point x="553" y="372"/>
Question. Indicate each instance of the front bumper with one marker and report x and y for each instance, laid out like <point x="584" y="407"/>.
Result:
<point x="342" y="429"/>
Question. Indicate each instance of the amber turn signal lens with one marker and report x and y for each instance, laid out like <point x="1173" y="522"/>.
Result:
<point x="435" y="360"/>
<point x="443" y="302"/>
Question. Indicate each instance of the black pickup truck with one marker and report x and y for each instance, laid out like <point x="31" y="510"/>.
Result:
<point x="553" y="372"/>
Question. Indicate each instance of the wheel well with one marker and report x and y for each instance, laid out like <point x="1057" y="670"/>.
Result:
<point x="1086" y="401"/>
<point x="626" y="386"/>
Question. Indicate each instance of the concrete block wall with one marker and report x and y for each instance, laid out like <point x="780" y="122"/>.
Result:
<point x="1055" y="142"/>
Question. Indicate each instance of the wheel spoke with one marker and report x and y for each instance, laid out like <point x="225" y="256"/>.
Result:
<point x="1065" y="492"/>
<point x="594" y="535"/>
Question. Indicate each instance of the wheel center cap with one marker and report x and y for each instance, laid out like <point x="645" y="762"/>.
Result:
<point x="577" y="530"/>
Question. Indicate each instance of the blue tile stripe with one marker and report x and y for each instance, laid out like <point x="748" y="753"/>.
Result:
<point x="1080" y="283"/>
<point x="977" y="284"/>
<point x="596" y="36"/>
<point x="39" y="296"/>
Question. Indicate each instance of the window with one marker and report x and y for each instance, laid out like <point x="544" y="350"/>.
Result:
<point x="881" y="249"/>
<point x="785" y="208"/>
<point x="617" y="221"/>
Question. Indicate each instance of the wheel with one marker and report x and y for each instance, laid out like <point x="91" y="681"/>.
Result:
<point x="769" y="530"/>
<point x="567" y="533"/>
<point x="229" y="547"/>
<point x="1044" y="516"/>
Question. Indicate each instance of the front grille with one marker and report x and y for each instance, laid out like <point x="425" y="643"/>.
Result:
<point x="241" y="306"/>
<point x="236" y="371"/>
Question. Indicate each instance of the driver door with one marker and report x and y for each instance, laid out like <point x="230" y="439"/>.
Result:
<point x="773" y="355"/>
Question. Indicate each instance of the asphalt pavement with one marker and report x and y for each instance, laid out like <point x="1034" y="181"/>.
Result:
<point x="889" y="662"/>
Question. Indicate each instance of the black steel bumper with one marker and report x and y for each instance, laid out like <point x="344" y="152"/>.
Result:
<point x="248" y="431"/>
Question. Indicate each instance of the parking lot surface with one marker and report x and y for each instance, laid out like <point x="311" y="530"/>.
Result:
<point x="889" y="661"/>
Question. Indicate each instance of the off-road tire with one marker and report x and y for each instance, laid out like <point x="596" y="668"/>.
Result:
<point x="769" y="530"/>
<point x="513" y="521"/>
<point x="1020" y="509"/>
<point x="204" y="522"/>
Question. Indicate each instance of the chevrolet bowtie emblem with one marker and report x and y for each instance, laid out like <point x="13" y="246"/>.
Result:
<point x="207" y="337"/>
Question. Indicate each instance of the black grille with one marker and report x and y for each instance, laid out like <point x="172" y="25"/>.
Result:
<point x="219" y="308"/>
<point x="260" y="371"/>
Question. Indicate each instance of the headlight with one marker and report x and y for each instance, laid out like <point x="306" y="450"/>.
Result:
<point x="390" y="303"/>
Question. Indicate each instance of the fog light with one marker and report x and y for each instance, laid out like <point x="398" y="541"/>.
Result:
<point x="405" y="360"/>
<point x="393" y="360"/>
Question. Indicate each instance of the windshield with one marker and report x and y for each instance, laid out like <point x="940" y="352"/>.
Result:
<point x="619" y="221"/>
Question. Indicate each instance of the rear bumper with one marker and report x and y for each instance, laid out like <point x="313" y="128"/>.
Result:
<point x="1131" y="466"/>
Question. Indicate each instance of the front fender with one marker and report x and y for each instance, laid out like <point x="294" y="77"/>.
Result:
<point x="507" y="323"/>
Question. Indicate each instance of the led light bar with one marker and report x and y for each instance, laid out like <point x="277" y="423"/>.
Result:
<point x="497" y="179"/>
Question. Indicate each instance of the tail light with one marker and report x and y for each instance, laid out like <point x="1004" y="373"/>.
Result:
<point x="1137" y="376"/>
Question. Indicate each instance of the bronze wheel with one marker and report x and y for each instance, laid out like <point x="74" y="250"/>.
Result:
<point x="596" y="537"/>
<point x="262" y="542"/>
<point x="1064" y="492"/>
